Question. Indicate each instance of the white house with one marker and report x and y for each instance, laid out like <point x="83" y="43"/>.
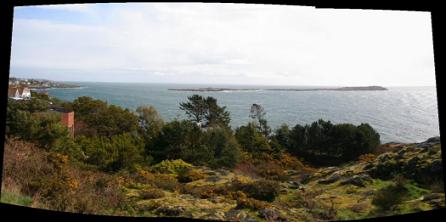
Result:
<point x="19" y="92"/>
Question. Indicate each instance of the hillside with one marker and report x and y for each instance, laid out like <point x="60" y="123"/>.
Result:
<point x="406" y="178"/>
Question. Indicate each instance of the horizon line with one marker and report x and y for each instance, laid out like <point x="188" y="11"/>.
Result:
<point x="235" y="84"/>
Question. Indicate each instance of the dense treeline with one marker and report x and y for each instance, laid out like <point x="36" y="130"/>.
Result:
<point x="111" y="138"/>
<point x="325" y="143"/>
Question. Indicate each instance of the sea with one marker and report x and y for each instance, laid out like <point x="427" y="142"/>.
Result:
<point x="399" y="114"/>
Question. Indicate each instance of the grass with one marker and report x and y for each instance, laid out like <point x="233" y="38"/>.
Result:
<point x="415" y="191"/>
<point x="15" y="198"/>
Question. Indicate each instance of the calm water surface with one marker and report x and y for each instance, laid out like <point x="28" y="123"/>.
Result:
<point x="400" y="114"/>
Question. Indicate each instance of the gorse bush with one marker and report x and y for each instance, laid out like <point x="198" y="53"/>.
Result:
<point x="171" y="166"/>
<point x="50" y="179"/>
<point x="266" y="190"/>
<point x="188" y="175"/>
<point x="151" y="193"/>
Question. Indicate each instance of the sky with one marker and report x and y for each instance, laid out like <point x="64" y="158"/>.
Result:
<point x="246" y="44"/>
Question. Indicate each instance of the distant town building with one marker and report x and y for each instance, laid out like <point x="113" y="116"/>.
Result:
<point x="19" y="92"/>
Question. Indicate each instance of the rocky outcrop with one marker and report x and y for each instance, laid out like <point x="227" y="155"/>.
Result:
<point x="357" y="180"/>
<point x="333" y="178"/>
<point x="419" y="161"/>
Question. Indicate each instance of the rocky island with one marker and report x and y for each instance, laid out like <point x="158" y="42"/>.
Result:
<point x="353" y="88"/>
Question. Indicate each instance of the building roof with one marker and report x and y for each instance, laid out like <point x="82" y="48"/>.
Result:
<point x="60" y="109"/>
<point x="13" y="89"/>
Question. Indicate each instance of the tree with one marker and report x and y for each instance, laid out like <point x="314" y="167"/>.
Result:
<point x="206" y="111"/>
<point x="122" y="151"/>
<point x="282" y="136"/>
<point x="324" y="143"/>
<point x="103" y="119"/>
<point x="179" y="140"/>
<point x="150" y="121"/>
<point x="216" y="115"/>
<point x="251" y="140"/>
<point x="195" y="108"/>
<point x="224" y="147"/>
<point x="257" y="113"/>
<point x="49" y="131"/>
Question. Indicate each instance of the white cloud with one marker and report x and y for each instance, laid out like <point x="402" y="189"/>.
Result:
<point x="85" y="8"/>
<point x="254" y="44"/>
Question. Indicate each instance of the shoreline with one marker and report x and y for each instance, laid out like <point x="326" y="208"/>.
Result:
<point x="211" y="89"/>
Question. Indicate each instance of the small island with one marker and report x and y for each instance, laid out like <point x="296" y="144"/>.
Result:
<point x="351" y="88"/>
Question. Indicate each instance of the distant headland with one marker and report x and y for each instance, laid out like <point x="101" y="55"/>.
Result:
<point x="351" y="88"/>
<point x="39" y="84"/>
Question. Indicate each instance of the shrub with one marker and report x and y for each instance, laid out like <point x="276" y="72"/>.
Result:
<point x="368" y="157"/>
<point x="151" y="193"/>
<point x="391" y="195"/>
<point x="53" y="182"/>
<point x="205" y="191"/>
<point x="165" y="182"/>
<point x="189" y="175"/>
<point x="171" y="166"/>
<point x="266" y="190"/>
<point x="251" y="203"/>
<point x="324" y="143"/>
<point x="271" y="171"/>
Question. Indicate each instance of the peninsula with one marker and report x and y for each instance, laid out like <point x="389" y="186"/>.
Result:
<point x="39" y="84"/>
<point x="353" y="88"/>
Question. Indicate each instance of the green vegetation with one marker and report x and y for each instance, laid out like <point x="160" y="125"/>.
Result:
<point x="124" y="162"/>
<point x="323" y="143"/>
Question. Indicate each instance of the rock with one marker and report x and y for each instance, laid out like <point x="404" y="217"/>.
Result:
<point x="292" y="172"/>
<point x="238" y="215"/>
<point x="436" y="200"/>
<point x="383" y="157"/>
<point x="213" y="179"/>
<point x="431" y="196"/>
<point x="401" y="153"/>
<point x="370" y="192"/>
<point x="357" y="180"/>
<point x="271" y="214"/>
<point x="412" y="163"/>
<point x="216" y="215"/>
<point x="436" y="166"/>
<point x="294" y="185"/>
<point x="333" y="178"/>
<point x="170" y="210"/>
<point x="305" y="178"/>
<point x="434" y="140"/>
<point x="368" y="166"/>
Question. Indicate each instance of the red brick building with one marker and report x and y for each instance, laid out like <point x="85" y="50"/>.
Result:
<point x="67" y="119"/>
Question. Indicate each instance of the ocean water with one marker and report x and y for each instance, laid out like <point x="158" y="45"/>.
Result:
<point x="400" y="114"/>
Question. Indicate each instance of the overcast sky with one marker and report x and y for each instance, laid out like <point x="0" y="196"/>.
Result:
<point x="222" y="43"/>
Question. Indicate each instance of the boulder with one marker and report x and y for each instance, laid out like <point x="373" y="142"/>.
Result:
<point x="215" y="215"/>
<point x="436" y="166"/>
<point x="432" y="196"/>
<point x="239" y="215"/>
<point x="333" y="178"/>
<point x="357" y="180"/>
<point x="170" y="210"/>
<point x="294" y="185"/>
<point x="271" y="214"/>
<point x="368" y="166"/>
<point x="412" y="163"/>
